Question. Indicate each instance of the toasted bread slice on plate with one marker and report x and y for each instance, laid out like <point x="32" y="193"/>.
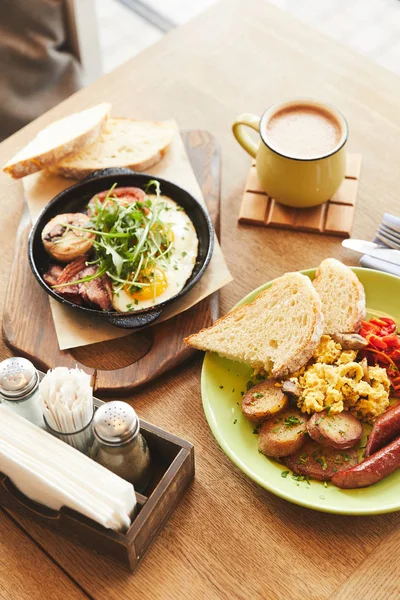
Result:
<point x="342" y="296"/>
<point x="59" y="139"/>
<point x="137" y="145"/>
<point x="277" y="333"/>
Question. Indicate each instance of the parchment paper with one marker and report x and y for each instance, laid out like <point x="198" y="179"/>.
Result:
<point x="74" y="329"/>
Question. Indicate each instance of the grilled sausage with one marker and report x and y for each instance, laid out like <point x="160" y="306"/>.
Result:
<point x="337" y="431"/>
<point x="372" y="469"/>
<point x="385" y="429"/>
<point x="264" y="400"/>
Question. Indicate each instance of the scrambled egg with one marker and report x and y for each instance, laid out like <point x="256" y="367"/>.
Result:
<point x="336" y="382"/>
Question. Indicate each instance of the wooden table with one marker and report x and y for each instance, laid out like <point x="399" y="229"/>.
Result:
<point x="229" y="538"/>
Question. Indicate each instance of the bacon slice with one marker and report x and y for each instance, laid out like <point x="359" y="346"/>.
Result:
<point x="52" y="275"/>
<point x="98" y="291"/>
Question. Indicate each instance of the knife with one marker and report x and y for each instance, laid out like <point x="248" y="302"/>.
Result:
<point x="374" y="250"/>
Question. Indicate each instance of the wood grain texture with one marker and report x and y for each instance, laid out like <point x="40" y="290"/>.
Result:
<point x="117" y="366"/>
<point x="173" y="470"/>
<point x="229" y="538"/>
<point x="26" y="572"/>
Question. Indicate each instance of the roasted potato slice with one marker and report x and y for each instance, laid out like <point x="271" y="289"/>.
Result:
<point x="263" y="401"/>
<point x="337" y="431"/>
<point x="320" y="462"/>
<point x="283" y="434"/>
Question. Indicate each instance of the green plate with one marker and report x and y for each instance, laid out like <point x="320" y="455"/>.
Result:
<point x="222" y="381"/>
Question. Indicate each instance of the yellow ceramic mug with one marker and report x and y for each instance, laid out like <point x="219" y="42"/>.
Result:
<point x="286" y="173"/>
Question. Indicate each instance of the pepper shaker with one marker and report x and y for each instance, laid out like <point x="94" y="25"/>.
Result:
<point x="19" y="381"/>
<point x="119" y="446"/>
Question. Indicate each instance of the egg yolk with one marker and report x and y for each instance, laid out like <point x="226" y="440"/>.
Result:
<point x="167" y="232"/>
<point x="158" y="284"/>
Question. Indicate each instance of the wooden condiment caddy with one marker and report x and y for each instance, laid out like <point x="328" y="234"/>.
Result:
<point x="173" y="461"/>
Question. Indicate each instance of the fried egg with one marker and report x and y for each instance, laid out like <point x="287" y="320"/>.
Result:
<point x="169" y="277"/>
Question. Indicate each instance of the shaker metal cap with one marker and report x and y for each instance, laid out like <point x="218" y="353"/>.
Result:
<point x="18" y="377"/>
<point x="115" y="423"/>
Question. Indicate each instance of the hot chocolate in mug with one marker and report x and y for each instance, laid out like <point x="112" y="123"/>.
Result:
<point x="301" y="158"/>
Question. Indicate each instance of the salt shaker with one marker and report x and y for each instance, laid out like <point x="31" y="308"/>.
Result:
<point x="119" y="446"/>
<point x="19" y="381"/>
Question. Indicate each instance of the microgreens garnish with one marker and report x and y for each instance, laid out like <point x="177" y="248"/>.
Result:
<point x="131" y="240"/>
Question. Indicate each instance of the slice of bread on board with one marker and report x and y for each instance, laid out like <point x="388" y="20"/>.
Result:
<point x="58" y="140"/>
<point x="342" y="296"/>
<point x="137" y="145"/>
<point x="277" y="333"/>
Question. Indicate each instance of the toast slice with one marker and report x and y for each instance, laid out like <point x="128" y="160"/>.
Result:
<point x="58" y="140"/>
<point x="342" y="296"/>
<point x="277" y="333"/>
<point x="136" y="145"/>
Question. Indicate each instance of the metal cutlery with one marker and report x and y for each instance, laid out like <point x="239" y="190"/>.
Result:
<point x="374" y="250"/>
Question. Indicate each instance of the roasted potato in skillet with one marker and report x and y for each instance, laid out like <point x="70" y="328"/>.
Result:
<point x="283" y="434"/>
<point x="337" y="431"/>
<point x="320" y="462"/>
<point x="264" y="400"/>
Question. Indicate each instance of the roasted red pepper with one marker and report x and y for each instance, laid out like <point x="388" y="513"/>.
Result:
<point x="383" y="347"/>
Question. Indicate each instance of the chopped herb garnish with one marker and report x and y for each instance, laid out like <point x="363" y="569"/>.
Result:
<point x="258" y="395"/>
<point x="322" y="461"/>
<point x="303" y="458"/>
<point x="284" y="474"/>
<point x="292" y="421"/>
<point x="221" y="387"/>
<point x="235" y="421"/>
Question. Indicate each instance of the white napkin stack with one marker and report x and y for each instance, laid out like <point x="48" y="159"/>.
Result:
<point x="54" y="474"/>
<point x="67" y="399"/>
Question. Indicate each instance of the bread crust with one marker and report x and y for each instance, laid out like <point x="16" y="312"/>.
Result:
<point x="79" y="171"/>
<point x="293" y="363"/>
<point x="21" y="168"/>
<point x="360" y="304"/>
<point x="82" y="172"/>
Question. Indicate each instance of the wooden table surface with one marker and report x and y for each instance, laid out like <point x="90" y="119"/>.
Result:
<point x="229" y="538"/>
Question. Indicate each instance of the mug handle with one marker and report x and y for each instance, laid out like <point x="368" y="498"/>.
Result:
<point x="243" y="137"/>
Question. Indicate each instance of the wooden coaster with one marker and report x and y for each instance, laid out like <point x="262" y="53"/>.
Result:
<point x="334" y="217"/>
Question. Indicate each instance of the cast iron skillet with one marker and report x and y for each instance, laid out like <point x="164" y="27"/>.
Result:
<point x="76" y="198"/>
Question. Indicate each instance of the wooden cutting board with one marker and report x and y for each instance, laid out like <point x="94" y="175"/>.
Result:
<point x="118" y="366"/>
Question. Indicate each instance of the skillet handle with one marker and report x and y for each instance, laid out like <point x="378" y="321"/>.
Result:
<point x="110" y="171"/>
<point x="130" y="321"/>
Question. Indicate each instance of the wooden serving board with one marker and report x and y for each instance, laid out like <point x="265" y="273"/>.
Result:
<point x="117" y="366"/>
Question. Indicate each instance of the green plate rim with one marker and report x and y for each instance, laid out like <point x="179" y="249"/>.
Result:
<point x="242" y="466"/>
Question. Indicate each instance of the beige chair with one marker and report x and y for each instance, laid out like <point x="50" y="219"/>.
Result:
<point x="48" y="50"/>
